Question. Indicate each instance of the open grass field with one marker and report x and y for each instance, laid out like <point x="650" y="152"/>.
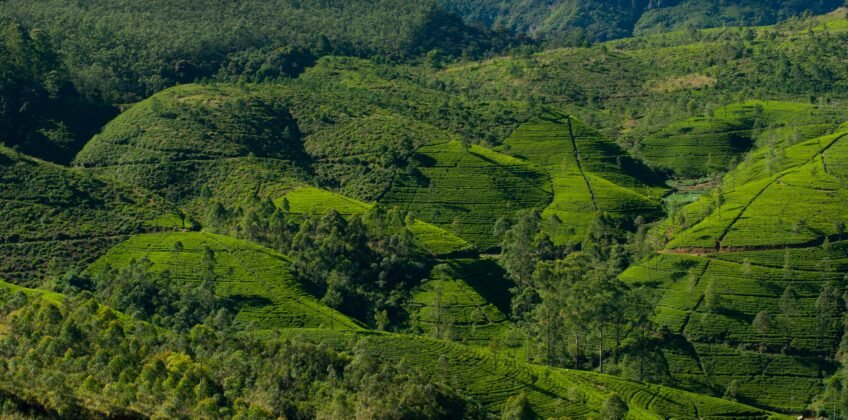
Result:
<point x="466" y="191"/>
<point x="254" y="281"/>
<point x="589" y="175"/>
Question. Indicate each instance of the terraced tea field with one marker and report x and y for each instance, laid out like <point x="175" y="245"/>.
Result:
<point x="310" y="200"/>
<point x="766" y="213"/>
<point x="589" y="175"/>
<point x="700" y="145"/>
<point x="553" y="393"/>
<point x="466" y="191"/>
<point x="775" y="229"/>
<point x="255" y="281"/>
<point x="467" y="302"/>
<point x="60" y="218"/>
<point x="236" y="142"/>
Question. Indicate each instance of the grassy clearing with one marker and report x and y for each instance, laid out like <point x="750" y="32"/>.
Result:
<point x="466" y="191"/>
<point x="254" y="281"/>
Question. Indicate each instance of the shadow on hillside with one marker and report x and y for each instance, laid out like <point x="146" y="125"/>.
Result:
<point x="488" y="279"/>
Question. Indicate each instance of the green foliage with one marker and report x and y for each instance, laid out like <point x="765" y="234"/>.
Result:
<point x="122" y="51"/>
<point x="589" y="174"/>
<point x="466" y="191"/>
<point x="172" y="275"/>
<point x="82" y="359"/>
<point x="40" y="111"/>
<point x="576" y="22"/>
<point x="56" y="219"/>
<point x="308" y="200"/>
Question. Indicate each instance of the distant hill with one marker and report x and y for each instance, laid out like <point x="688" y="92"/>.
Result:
<point x="592" y="20"/>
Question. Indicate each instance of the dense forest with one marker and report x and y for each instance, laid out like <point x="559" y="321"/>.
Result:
<point x="404" y="210"/>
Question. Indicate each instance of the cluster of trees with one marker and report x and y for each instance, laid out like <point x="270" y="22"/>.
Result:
<point x="76" y="358"/>
<point x="575" y="22"/>
<point x="123" y="51"/>
<point x="41" y="112"/>
<point x="570" y="303"/>
<point x="363" y="265"/>
<point x="156" y="297"/>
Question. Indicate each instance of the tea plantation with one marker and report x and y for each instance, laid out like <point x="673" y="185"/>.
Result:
<point x="352" y="218"/>
<point x="775" y="229"/>
<point x="255" y="282"/>
<point x="590" y="175"/>
<point x="699" y="145"/>
<point x="467" y="190"/>
<point x="494" y="378"/>
<point x="314" y="201"/>
<point x="55" y="218"/>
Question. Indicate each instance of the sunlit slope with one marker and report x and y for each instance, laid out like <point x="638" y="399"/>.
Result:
<point x="236" y="141"/>
<point x="56" y="219"/>
<point x="493" y="378"/>
<point x="467" y="190"/>
<point x="590" y="175"/>
<point x="255" y="282"/>
<point x="778" y="225"/>
<point x="795" y="202"/>
<point x="700" y="145"/>
<point x="310" y="200"/>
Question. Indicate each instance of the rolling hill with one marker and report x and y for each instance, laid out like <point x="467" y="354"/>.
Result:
<point x="590" y="175"/>
<point x="737" y="259"/>
<point x="57" y="219"/>
<point x="238" y="143"/>
<point x="310" y="201"/>
<point x="606" y="19"/>
<point x="701" y="145"/>
<point x="256" y="282"/>
<point x="467" y="190"/>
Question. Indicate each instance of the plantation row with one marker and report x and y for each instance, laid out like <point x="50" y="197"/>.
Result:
<point x="254" y="281"/>
<point x="596" y="176"/>
<point x="466" y="191"/>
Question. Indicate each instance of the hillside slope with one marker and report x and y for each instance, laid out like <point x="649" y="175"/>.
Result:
<point x="774" y="243"/>
<point x="256" y="282"/>
<point x="590" y="174"/>
<point x="56" y="219"/>
<point x="237" y="143"/>
<point x="609" y="19"/>
<point x="467" y="190"/>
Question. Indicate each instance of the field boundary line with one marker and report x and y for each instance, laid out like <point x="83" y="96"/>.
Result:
<point x="580" y="164"/>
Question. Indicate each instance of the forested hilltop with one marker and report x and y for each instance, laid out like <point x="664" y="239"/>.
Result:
<point x="573" y="21"/>
<point x="336" y="209"/>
